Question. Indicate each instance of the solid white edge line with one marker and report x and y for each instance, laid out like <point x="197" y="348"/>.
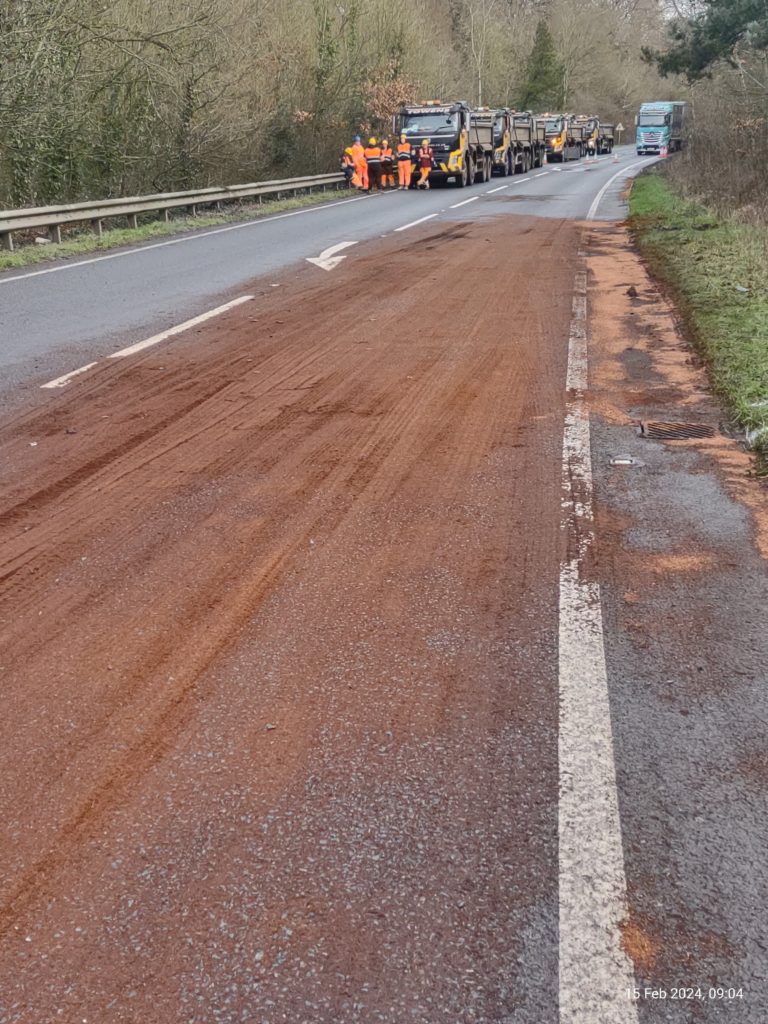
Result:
<point x="464" y="202"/>
<point x="492" y="190"/>
<point x="179" y="329"/>
<point x="179" y="241"/>
<point x="595" y="974"/>
<point x="61" y="381"/>
<point x="415" y="222"/>
<point x="541" y="174"/>
<point x="596" y="202"/>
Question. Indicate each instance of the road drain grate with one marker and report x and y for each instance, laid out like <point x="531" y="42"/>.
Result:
<point x="675" y="431"/>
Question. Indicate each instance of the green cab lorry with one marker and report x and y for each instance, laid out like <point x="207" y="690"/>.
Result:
<point x="659" y="126"/>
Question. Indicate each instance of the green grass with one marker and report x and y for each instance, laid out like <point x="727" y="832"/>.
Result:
<point x="706" y="260"/>
<point x="85" y="242"/>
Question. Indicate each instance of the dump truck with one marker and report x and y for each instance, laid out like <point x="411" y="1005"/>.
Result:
<point x="596" y="137"/>
<point x="461" y="141"/>
<point x="560" y="142"/>
<point x="518" y="142"/>
<point x="660" y="126"/>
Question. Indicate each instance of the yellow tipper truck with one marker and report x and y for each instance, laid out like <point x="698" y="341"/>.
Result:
<point x="518" y="142"/>
<point x="461" y="142"/>
<point x="560" y="142"/>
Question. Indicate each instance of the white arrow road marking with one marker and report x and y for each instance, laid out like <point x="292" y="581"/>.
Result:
<point x="327" y="259"/>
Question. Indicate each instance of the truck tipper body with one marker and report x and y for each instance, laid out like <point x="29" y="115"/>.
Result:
<point x="461" y="142"/>
<point x="517" y="145"/>
<point x="596" y="137"/>
<point x="560" y="143"/>
<point x="660" y="126"/>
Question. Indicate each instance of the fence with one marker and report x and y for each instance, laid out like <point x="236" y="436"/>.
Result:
<point x="52" y="217"/>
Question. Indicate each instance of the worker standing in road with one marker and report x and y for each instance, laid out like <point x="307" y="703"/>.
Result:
<point x="361" y="167"/>
<point x="425" y="156"/>
<point x="404" y="163"/>
<point x="373" y="160"/>
<point x="387" y="165"/>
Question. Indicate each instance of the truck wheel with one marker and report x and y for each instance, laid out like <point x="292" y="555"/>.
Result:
<point x="461" y="179"/>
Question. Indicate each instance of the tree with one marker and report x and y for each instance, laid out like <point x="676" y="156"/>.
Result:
<point x="717" y="33"/>
<point x="544" y="76"/>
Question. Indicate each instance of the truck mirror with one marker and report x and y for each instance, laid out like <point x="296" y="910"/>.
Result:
<point x="636" y="120"/>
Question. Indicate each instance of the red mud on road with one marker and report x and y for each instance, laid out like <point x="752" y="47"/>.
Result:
<point x="278" y="620"/>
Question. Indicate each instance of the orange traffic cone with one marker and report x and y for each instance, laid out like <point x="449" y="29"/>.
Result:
<point x="663" y="152"/>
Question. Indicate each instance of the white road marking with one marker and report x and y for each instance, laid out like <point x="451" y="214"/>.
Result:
<point x="463" y="203"/>
<point x="180" y="241"/>
<point x="179" y="329"/>
<point x="415" y="222"/>
<point x="596" y="202"/>
<point x="595" y="973"/>
<point x="541" y="174"/>
<point x="492" y="190"/>
<point x="61" y="381"/>
<point x="327" y="260"/>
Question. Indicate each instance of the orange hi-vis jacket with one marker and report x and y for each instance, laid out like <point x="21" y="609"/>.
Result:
<point x="373" y="154"/>
<point x="358" y="153"/>
<point x="403" y="151"/>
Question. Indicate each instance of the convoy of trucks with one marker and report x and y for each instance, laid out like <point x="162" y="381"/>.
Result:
<point x="659" y="126"/>
<point x="470" y="144"/>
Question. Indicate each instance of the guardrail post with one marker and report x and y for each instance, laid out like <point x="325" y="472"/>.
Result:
<point x="6" y="241"/>
<point x="133" y="221"/>
<point x="166" y="215"/>
<point x="193" y="210"/>
<point x="97" y="226"/>
<point x="54" y="233"/>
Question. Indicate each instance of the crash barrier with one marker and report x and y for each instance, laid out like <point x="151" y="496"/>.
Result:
<point x="52" y="217"/>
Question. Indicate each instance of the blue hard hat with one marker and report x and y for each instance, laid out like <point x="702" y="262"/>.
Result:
<point x="357" y="138"/>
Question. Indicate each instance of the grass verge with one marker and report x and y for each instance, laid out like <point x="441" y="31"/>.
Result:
<point x="82" y="243"/>
<point x="718" y="273"/>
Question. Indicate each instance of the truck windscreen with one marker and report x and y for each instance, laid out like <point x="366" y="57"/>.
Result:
<point x="653" y="120"/>
<point x="430" y="124"/>
<point x="553" y="127"/>
<point x="498" y="131"/>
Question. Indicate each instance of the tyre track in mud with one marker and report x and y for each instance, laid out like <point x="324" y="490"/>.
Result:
<point x="134" y="570"/>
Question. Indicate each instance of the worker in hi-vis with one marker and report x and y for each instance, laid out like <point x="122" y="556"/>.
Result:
<point x="387" y="165"/>
<point x="373" y="160"/>
<point x="361" y="166"/>
<point x="348" y="168"/>
<point x="425" y="155"/>
<point x="404" y="163"/>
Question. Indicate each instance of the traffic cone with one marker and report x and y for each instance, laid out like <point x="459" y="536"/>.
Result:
<point x="615" y="157"/>
<point x="663" y="152"/>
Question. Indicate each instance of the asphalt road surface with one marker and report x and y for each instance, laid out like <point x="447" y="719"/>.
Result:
<point x="350" y="673"/>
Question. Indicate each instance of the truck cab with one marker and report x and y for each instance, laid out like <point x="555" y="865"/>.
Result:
<point x="659" y="126"/>
<point x="451" y="132"/>
<point x="559" y="141"/>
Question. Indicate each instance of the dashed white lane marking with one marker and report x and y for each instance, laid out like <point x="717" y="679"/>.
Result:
<point x="61" y="381"/>
<point x="492" y="190"/>
<point x="464" y="202"/>
<point x="154" y="340"/>
<point x="179" y="241"/>
<point x="595" y="974"/>
<point x="157" y="338"/>
<point x="596" y="201"/>
<point x="413" y="223"/>
<point x="541" y="174"/>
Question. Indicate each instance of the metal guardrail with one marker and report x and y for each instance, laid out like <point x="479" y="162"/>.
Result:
<point x="52" y="217"/>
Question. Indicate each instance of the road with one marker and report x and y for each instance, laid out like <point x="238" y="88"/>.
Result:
<point x="349" y="674"/>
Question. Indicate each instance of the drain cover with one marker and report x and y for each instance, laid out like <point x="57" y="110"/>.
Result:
<point x="675" y="431"/>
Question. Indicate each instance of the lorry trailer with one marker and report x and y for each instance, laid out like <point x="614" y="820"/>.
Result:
<point x="462" y="143"/>
<point x="660" y="126"/>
